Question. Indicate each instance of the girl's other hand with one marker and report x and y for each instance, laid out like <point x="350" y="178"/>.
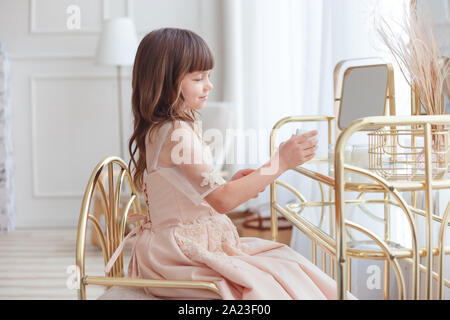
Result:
<point x="297" y="150"/>
<point x="243" y="173"/>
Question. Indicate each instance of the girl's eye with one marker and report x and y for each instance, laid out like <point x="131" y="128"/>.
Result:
<point x="209" y="76"/>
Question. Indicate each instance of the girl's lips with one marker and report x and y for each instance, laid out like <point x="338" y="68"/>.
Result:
<point x="204" y="97"/>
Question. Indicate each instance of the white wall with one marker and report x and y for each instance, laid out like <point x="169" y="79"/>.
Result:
<point x="440" y="15"/>
<point x="439" y="10"/>
<point x="65" y="116"/>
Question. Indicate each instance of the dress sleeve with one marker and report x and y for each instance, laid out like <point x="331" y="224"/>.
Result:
<point x="192" y="168"/>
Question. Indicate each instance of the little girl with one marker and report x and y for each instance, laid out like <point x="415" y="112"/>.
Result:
<point x="187" y="234"/>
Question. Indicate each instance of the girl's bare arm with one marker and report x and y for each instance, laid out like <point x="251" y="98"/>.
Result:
<point x="234" y="193"/>
<point x="290" y="154"/>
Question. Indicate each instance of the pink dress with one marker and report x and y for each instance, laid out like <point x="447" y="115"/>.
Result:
<point x="184" y="238"/>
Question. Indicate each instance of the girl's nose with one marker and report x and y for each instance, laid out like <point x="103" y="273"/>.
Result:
<point x="209" y="85"/>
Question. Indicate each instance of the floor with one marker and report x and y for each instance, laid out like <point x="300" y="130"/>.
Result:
<point x="34" y="265"/>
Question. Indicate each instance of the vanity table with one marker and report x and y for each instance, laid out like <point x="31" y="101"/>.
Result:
<point x="384" y="187"/>
<point x="330" y="229"/>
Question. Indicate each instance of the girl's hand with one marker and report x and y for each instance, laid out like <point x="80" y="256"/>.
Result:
<point x="243" y="173"/>
<point x="297" y="150"/>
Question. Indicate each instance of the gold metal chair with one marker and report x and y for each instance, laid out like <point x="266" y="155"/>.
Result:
<point x="114" y="231"/>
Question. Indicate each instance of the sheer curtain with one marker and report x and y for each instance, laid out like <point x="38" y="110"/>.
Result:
<point x="279" y="59"/>
<point x="274" y="58"/>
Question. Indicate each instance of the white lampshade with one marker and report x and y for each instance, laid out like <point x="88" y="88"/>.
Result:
<point x="118" y="42"/>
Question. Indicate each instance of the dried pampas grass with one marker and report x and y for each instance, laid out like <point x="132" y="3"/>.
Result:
<point x="424" y="68"/>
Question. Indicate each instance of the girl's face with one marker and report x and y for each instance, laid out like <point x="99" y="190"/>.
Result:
<point x="195" y="87"/>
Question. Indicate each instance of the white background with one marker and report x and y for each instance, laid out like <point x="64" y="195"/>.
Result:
<point x="65" y="116"/>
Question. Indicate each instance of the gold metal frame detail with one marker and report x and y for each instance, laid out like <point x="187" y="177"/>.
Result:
<point x="335" y="244"/>
<point x="399" y="153"/>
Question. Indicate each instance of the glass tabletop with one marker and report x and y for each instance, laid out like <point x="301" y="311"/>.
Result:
<point x="323" y="171"/>
<point x="370" y="210"/>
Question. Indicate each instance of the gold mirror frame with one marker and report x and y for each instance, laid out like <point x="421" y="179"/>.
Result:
<point x="389" y="106"/>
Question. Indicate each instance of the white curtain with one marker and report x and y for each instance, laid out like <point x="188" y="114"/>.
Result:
<point x="275" y="67"/>
<point x="279" y="61"/>
<point x="279" y="58"/>
<point x="7" y="198"/>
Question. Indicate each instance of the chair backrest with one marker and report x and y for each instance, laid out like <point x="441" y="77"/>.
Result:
<point x="111" y="195"/>
<point x="362" y="88"/>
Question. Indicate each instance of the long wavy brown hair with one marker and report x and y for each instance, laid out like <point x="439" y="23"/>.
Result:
<point x="163" y="58"/>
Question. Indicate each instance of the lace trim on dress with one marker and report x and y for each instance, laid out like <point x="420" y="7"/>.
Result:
<point x="209" y="238"/>
<point x="211" y="178"/>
